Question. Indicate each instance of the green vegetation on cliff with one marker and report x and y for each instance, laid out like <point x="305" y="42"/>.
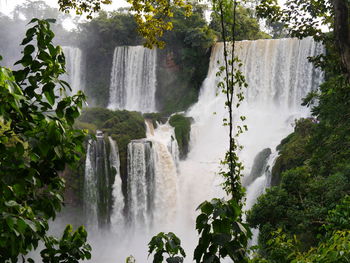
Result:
<point x="182" y="127"/>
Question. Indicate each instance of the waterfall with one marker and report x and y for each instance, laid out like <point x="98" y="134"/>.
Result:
<point x="152" y="178"/>
<point x="100" y="167"/>
<point x="133" y="79"/>
<point x="90" y="186"/>
<point x="279" y="76"/>
<point x="140" y="183"/>
<point x="117" y="217"/>
<point x="74" y="68"/>
<point x="166" y="157"/>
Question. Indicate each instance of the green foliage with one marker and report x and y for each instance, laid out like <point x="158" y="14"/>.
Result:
<point x="336" y="249"/>
<point x="82" y="6"/>
<point x="70" y="248"/>
<point x="220" y="232"/>
<point x="153" y="18"/>
<point x="184" y="61"/>
<point x="303" y="18"/>
<point x="333" y="247"/>
<point x="37" y="141"/>
<point x="339" y="218"/>
<point x="166" y="243"/>
<point x="246" y="28"/>
<point x="331" y="141"/>
<point x="300" y="203"/>
<point x="292" y="150"/>
<point x="182" y="127"/>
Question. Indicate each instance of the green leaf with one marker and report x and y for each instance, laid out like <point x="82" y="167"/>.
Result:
<point x="48" y="90"/>
<point x="201" y="221"/>
<point x="222" y="226"/>
<point x="207" y="208"/>
<point x="28" y="50"/>
<point x="22" y="226"/>
<point x="221" y="239"/>
<point x="19" y="148"/>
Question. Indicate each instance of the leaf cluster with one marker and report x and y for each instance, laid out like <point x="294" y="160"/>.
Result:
<point x="37" y="141"/>
<point x="166" y="243"/>
<point x="220" y="232"/>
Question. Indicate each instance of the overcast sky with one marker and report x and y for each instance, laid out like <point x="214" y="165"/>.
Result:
<point x="6" y="6"/>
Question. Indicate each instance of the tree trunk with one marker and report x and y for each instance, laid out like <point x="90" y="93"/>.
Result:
<point x="342" y="32"/>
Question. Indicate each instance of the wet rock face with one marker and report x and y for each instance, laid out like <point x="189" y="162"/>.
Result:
<point x="259" y="166"/>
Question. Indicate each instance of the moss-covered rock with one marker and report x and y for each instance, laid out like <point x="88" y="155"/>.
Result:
<point x="182" y="127"/>
<point x="259" y="166"/>
<point x="292" y="150"/>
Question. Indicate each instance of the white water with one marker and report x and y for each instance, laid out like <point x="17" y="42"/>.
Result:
<point x="140" y="184"/>
<point x="279" y="76"/>
<point x="133" y="79"/>
<point x="117" y="216"/>
<point x="152" y="178"/>
<point x="152" y="197"/>
<point x="90" y="186"/>
<point x="166" y="155"/>
<point x="74" y="68"/>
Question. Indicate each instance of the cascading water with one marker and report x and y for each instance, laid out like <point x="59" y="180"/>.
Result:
<point x="117" y="216"/>
<point x="165" y="156"/>
<point x="151" y="196"/>
<point x="90" y="186"/>
<point x="100" y="167"/>
<point x="140" y="183"/>
<point x="152" y="178"/>
<point x="133" y="79"/>
<point x="73" y="68"/>
<point x="279" y="76"/>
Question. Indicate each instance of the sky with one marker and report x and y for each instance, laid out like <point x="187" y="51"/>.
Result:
<point x="7" y="6"/>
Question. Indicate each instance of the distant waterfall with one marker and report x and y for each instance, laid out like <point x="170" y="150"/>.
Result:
<point x="74" y="68"/>
<point x="100" y="167"/>
<point x="133" y="79"/>
<point x="152" y="178"/>
<point x="279" y="76"/>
